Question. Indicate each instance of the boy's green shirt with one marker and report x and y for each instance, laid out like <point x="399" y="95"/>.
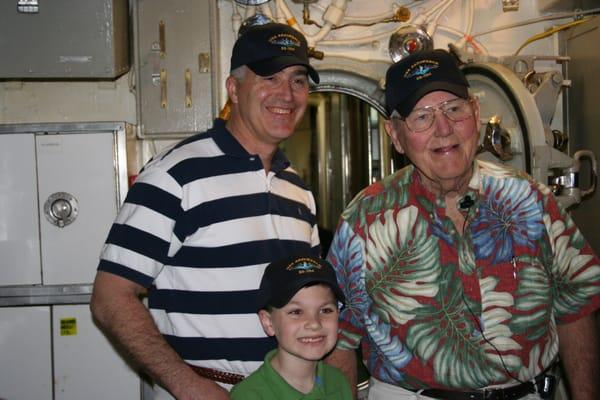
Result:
<point x="266" y="384"/>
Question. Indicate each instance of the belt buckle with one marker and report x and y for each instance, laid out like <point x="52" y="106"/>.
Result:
<point x="494" y="394"/>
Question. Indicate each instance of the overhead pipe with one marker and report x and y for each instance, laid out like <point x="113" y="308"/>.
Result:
<point x="432" y="25"/>
<point x="265" y="9"/>
<point x="334" y="14"/>
<point x="550" y="17"/>
<point x="236" y="18"/>
<point x="289" y="17"/>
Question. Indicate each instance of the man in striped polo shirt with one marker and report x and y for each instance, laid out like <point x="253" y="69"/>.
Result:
<point x="201" y="223"/>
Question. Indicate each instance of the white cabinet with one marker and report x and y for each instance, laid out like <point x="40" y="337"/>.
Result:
<point x="56" y="352"/>
<point x="60" y="189"/>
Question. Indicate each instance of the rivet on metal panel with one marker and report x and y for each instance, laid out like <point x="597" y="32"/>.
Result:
<point x="161" y="38"/>
<point x="204" y="62"/>
<point x="163" y="88"/>
<point x="188" y="88"/>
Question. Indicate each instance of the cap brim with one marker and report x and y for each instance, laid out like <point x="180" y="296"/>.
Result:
<point x="283" y="296"/>
<point x="274" y="65"/>
<point x="407" y="105"/>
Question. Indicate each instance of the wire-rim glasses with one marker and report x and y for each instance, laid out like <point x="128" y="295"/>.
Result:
<point x="421" y="119"/>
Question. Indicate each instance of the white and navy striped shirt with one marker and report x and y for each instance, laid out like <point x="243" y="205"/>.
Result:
<point x="198" y="228"/>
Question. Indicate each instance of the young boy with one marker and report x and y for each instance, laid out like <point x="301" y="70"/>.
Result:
<point x="298" y="304"/>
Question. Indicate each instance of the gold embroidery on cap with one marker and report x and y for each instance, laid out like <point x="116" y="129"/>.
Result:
<point x="286" y="41"/>
<point x="303" y="265"/>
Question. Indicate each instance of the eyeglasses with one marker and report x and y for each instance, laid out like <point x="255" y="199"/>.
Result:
<point x="456" y="110"/>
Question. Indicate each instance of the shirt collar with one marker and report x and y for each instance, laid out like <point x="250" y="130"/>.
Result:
<point x="230" y="146"/>
<point x="281" y="386"/>
<point x="473" y="188"/>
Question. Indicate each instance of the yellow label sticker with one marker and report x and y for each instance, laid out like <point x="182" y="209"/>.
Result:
<point x="68" y="327"/>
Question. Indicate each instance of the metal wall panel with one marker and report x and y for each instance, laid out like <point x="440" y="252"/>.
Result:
<point x="64" y="39"/>
<point x="175" y="66"/>
<point x="583" y="119"/>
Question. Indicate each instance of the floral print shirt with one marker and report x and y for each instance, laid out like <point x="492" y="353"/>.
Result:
<point x="436" y="309"/>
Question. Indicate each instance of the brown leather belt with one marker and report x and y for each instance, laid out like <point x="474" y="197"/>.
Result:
<point x="219" y="376"/>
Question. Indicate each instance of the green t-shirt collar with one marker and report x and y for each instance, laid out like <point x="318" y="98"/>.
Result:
<point x="319" y="391"/>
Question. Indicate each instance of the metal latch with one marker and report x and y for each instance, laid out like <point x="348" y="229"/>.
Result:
<point x="567" y="184"/>
<point x="61" y="209"/>
<point x="496" y="140"/>
<point x="28" y="6"/>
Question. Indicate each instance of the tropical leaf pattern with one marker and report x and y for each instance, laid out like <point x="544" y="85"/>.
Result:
<point x="392" y="244"/>
<point x="432" y="308"/>
<point x="511" y="216"/>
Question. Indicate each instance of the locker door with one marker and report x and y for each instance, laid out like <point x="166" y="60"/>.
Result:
<point x="86" y="366"/>
<point x="25" y="353"/>
<point x="175" y="68"/>
<point x="76" y="177"/>
<point x="19" y="228"/>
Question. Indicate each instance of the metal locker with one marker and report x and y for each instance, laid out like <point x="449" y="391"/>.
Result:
<point x="60" y="190"/>
<point x="76" y="176"/>
<point x="176" y="66"/>
<point x="64" y="39"/>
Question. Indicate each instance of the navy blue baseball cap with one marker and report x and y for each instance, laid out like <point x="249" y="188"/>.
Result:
<point x="267" y="49"/>
<point x="420" y="73"/>
<point x="282" y="279"/>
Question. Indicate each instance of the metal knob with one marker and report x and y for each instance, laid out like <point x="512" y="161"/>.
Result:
<point x="61" y="209"/>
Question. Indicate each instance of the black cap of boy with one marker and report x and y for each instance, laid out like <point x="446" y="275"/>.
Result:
<point x="420" y="73"/>
<point x="267" y="49"/>
<point x="284" y="278"/>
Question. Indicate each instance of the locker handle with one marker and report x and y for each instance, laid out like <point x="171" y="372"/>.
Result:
<point x="163" y="88"/>
<point x="161" y="39"/>
<point x="578" y="156"/>
<point x="61" y="209"/>
<point x="203" y="62"/>
<point x="188" y="88"/>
